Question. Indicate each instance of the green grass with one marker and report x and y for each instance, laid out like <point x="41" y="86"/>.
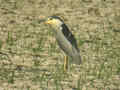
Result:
<point x="37" y="61"/>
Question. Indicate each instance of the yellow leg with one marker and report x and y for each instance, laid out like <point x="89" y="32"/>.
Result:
<point x="65" y="63"/>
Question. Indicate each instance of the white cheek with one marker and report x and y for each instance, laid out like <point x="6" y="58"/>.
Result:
<point x="60" y="28"/>
<point x="57" y="25"/>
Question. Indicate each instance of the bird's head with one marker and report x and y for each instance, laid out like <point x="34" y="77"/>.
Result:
<point x="54" y="21"/>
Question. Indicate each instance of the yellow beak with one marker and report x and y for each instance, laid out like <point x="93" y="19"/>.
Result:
<point x="48" y="22"/>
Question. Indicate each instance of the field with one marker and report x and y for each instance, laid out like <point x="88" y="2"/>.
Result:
<point x="30" y="58"/>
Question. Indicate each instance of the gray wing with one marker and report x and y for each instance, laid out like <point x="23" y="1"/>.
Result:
<point x="64" y="47"/>
<point x="70" y="51"/>
<point x="70" y="37"/>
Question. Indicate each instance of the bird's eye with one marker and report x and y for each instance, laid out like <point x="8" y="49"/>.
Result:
<point x="50" y="18"/>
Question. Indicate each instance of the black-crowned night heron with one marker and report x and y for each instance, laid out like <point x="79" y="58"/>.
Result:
<point x="65" y="39"/>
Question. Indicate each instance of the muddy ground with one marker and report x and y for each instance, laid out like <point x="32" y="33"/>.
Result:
<point x="30" y="58"/>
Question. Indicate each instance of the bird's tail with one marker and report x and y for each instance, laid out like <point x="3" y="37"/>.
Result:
<point x="77" y="59"/>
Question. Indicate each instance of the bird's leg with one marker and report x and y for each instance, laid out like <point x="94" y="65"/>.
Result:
<point x="66" y="63"/>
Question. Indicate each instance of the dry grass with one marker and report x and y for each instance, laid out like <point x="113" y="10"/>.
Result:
<point x="37" y="61"/>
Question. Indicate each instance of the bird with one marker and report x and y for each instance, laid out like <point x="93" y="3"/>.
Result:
<point x="65" y="39"/>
